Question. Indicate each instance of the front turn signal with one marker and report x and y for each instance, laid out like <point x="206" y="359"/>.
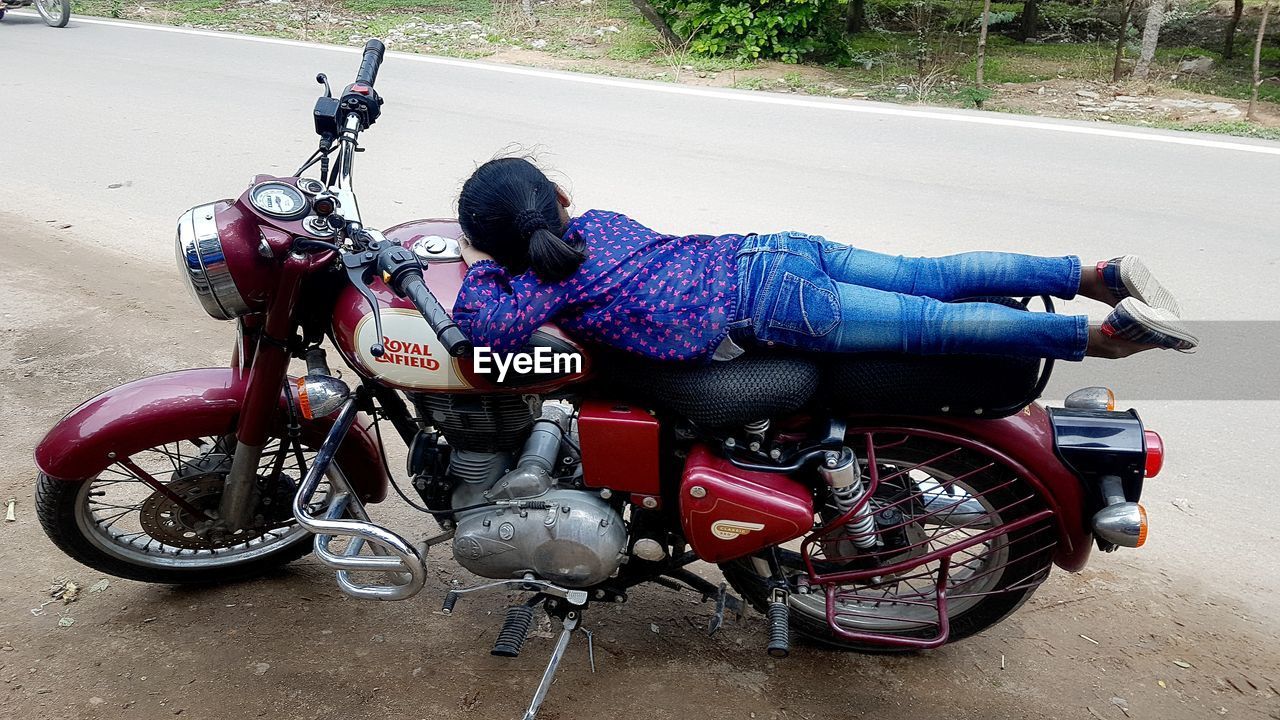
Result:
<point x="320" y="395"/>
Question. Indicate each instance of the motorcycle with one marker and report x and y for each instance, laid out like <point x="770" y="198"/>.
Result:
<point x="863" y="502"/>
<point x="55" y="13"/>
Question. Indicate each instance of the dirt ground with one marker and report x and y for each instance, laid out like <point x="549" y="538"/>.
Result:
<point x="1122" y="640"/>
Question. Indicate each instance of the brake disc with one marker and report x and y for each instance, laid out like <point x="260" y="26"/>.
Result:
<point x="168" y="522"/>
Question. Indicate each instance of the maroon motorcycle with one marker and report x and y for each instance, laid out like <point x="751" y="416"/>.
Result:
<point x="862" y="502"/>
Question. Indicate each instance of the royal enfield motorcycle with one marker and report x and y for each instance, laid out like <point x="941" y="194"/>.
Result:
<point x="861" y="502"/>
<point x="55" y="13"/>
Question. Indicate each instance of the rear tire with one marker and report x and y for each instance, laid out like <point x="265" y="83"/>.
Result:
<point x="56" y="13"/>
<point x="1032" y="556"/>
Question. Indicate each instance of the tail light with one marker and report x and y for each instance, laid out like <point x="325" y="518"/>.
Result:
<point x="1154" y="447"/>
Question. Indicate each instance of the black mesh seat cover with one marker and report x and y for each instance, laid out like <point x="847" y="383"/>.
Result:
<point x="893" y="384"/>
<point x="767" y="384"/>
<point x="752" y="387"/>
<point x="757" y="386"/>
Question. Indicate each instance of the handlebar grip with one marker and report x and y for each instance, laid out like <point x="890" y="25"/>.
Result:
<point x="373" y="52"/>
<point x="455" y="342"/>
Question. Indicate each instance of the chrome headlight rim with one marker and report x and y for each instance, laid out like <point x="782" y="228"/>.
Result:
<point x="204" y="265"/>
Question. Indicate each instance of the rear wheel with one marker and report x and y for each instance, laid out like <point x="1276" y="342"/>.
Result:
<point x="56" y="13"/>
<point x="933" y="495"/>
<point x="148" y="517"/>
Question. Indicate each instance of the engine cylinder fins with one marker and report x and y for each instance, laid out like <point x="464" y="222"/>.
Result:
<point x="480" y="423"/>
<point x="479" y="468"/>
<point x="515" y="630"/>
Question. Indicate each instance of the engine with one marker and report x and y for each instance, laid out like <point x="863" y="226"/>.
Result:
<point x="559" y="533"/>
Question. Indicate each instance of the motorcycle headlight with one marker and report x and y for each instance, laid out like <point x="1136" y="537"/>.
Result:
<point x="202" y="262"/>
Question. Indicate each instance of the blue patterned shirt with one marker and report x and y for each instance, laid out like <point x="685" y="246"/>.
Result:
<point x="665" y="297"/>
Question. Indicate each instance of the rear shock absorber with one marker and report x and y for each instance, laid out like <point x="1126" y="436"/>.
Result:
<point x="844" y="476"/>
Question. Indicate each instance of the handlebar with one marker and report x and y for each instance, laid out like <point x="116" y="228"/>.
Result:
<point x="455" y="343"/>
<point x="404" y="273"/>
<point x="374" y="50"/>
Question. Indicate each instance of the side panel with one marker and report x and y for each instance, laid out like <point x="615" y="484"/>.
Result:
<point x="176" y="406"/>
<point x="619" y="448"/>
<point x="727" y="512"/>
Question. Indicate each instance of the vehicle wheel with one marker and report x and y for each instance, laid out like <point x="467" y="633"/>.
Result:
<point x="987" y="581"/>
<point x="56" y="13"/>
<point x="122" y="526"/>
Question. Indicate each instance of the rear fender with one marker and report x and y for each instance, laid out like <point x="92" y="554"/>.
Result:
<point x="180" y="405"/>
<point x="1025" y="441"/>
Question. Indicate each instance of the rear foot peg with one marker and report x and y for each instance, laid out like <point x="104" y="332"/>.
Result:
<point x="515" y="629"/>
<point x="779" y="626"/>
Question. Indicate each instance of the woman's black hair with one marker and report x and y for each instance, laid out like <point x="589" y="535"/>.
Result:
<point x="509" y="209"/>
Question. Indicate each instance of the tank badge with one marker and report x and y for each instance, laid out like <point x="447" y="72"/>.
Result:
<point x="730" y="529"/>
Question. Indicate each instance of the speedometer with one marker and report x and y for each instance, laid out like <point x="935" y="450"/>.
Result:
<point x="279" y="200"/>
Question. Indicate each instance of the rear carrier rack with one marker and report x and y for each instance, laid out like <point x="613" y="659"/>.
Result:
<point x="910" y="546"/>
<point x="404" y="567"/>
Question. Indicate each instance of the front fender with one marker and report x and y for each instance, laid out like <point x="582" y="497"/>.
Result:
<point x="1025" y="439"/>
<point x="176" y="406"/>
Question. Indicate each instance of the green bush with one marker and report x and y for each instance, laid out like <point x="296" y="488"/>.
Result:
<point x="783" y="30"/>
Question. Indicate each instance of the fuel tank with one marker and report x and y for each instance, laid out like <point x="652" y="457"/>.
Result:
<point x="415" y="360"/>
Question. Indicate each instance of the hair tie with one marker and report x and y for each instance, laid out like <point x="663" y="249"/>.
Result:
<point x="529" y="222"/>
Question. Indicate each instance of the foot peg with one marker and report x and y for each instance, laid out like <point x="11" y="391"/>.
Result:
<point x="779" y="626"/>
<point x="515" y="629"/>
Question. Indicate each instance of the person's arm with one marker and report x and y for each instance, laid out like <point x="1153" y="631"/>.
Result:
<point x="502" y="312"/>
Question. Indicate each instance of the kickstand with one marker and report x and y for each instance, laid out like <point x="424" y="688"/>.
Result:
<point x="572" y="622"/>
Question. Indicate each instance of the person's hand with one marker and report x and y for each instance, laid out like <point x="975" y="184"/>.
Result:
<point x="470" y="255"/>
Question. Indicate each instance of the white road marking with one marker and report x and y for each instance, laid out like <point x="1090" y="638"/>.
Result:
<point x="750" y="96"/>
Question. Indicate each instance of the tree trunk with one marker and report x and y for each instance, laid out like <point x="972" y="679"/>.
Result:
<point x="1124" y="33"/>
<point x="1229" y="45"/>
<point x="855" y="16"/>
<point x="527" y="6"/>
<point x="1257" y="60"/>
<point x="659" y="23"/>
<point x="1150" y="37"/>
<point x="1030" y="16"/>
<point x="982" y="48"/>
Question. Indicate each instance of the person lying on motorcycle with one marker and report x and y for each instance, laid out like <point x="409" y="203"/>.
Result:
<point x="605" y="278"/>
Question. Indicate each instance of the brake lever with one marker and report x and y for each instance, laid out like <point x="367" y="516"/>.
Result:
<point x="359" y="272"/>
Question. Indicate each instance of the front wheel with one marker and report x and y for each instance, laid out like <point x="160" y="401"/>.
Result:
<point x="56" y="13"/>
<point x="147" y="517"/>
<point x="934" y="493"/>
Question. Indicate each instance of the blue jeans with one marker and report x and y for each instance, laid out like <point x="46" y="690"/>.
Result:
<point x="810" y="293"/>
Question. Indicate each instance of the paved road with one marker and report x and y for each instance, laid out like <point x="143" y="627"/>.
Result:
<point x="114" y="130"/>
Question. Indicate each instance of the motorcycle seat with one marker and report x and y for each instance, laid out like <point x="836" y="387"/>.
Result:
<point x="762" y="385"/>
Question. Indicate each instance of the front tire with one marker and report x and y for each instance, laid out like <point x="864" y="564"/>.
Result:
<point x="117" y="524"/>
<point x="989" y="581"/>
